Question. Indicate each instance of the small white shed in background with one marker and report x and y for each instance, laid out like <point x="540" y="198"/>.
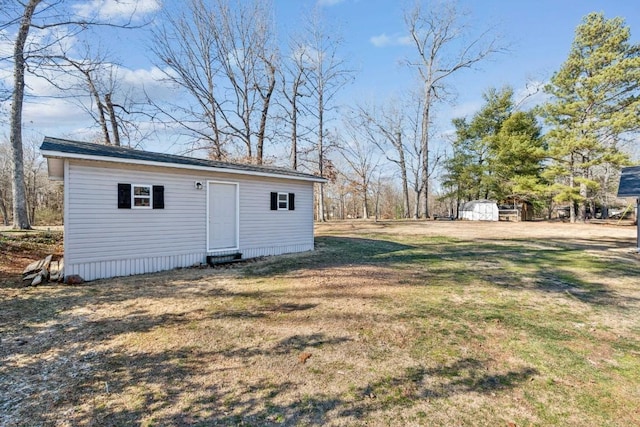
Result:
<point x="131" y="212"/>
<point x="480" y="210"/>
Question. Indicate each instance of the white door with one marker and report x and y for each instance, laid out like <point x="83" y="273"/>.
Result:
<point x="222" y="216"/>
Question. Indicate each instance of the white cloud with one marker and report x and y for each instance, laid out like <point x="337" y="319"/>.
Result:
<point x="141" y="83"/>
<point x="52" y="113"/>
<point x="117" y="9"/>
<point x="384" y="40"/>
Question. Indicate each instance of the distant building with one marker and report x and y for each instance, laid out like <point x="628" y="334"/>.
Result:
<point x="480" y="210"/>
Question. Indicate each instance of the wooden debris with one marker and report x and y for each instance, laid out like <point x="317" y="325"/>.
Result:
<point x="37" y="280"/>
<point x="43" y="270"/>
<point x="38" y="265"/>
<point x="55" y="271"/>
<point x="47" y="262"/>
<point x="31" y="276"/>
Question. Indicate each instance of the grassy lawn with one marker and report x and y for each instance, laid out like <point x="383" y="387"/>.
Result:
<point x="376" y="327"/>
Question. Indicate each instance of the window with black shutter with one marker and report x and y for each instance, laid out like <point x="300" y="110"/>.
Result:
<point x="158" y="197"/>
<point x="140" y="196"/>
<point x="282" y="201"/>
<point x="124" y="196"/>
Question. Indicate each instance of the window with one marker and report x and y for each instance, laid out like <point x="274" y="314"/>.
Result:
<point x="283" y="201"/>
<point x="141" y="196"/>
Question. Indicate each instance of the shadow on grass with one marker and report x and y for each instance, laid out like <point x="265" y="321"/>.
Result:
<point x="172" y="379"/>
<point x="513" y="264"/>
<point x="463" y="376"/>
<point x="291" y="345"/>
<point x="259" y="405"/>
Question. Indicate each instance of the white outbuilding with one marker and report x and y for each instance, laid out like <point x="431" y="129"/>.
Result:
<point x="480" y="210"/>
<point x="130" y="212"/>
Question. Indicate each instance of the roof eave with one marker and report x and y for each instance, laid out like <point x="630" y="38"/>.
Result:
<point x="64" y="155"/>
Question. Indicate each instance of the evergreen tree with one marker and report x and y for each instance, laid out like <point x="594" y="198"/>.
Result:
<point x="594" y="109"/>
<point x="498" y="154"/>
<point x="517" y="157"/>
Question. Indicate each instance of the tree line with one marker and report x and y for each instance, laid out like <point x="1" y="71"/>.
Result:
<point x="243" y="94"/>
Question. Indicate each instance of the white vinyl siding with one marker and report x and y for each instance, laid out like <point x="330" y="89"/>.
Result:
<point x="104" y="241"/>
<point x="278" y="226"/>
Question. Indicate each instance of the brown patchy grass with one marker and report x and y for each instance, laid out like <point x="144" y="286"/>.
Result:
<point x="405" y="324"/>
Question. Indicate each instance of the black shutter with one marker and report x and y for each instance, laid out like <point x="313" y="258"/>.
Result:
<point x="124" y="196"/>
<point x="158" y="197"/>
<point x="292" y="198"/>
<point x="274" y="201"/>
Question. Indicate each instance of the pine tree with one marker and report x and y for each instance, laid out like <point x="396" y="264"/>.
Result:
<point x="595" y="107"/>
<point x="498" y="154"/>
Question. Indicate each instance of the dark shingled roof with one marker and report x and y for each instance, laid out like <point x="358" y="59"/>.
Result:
<point x="629" y="182"/>
<point x="89" y="149"/>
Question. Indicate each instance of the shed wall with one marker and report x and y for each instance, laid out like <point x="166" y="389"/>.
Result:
<point x="480" y="211"/>
<point x="104" y="241"/>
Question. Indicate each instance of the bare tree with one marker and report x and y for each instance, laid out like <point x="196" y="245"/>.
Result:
<point x="295" y="68"/>
<point x="88" y="70"/>
<point x="99" y="78"/>
<point x="35" y="178"/>
<point x="186" y="49"/>
<point x="49" y="18"/>
<point x="385" y="127"/>
<point x="328" y="73"/>
<point x="363" y="162"/>
<point x="223" y="55"/>
<point x="20" y="214"/>
<point x="440" y="37"/>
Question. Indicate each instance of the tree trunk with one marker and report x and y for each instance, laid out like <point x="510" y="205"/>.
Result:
<point x="114" y="121"/>
<point x="582" y="213"/>
<point x="31" y="192"/>
<point x="266" y="101"/>
<point x="101" y="115"/>
<point x="20" y="215"/>
<point x="3" y="210"/>
<point x="365" y="202"/>
<point x="403" y="176"/>
<point x="294" y="130"/>
<point x="572" y="205"/>
<point x="321" y="216"/>
<point x="425" y="148"/>
<point x="416" y="213"/>
<point x="294" y="141"/>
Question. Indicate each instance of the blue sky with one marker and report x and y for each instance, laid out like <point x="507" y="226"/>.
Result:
<point x="538" y="33"/>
